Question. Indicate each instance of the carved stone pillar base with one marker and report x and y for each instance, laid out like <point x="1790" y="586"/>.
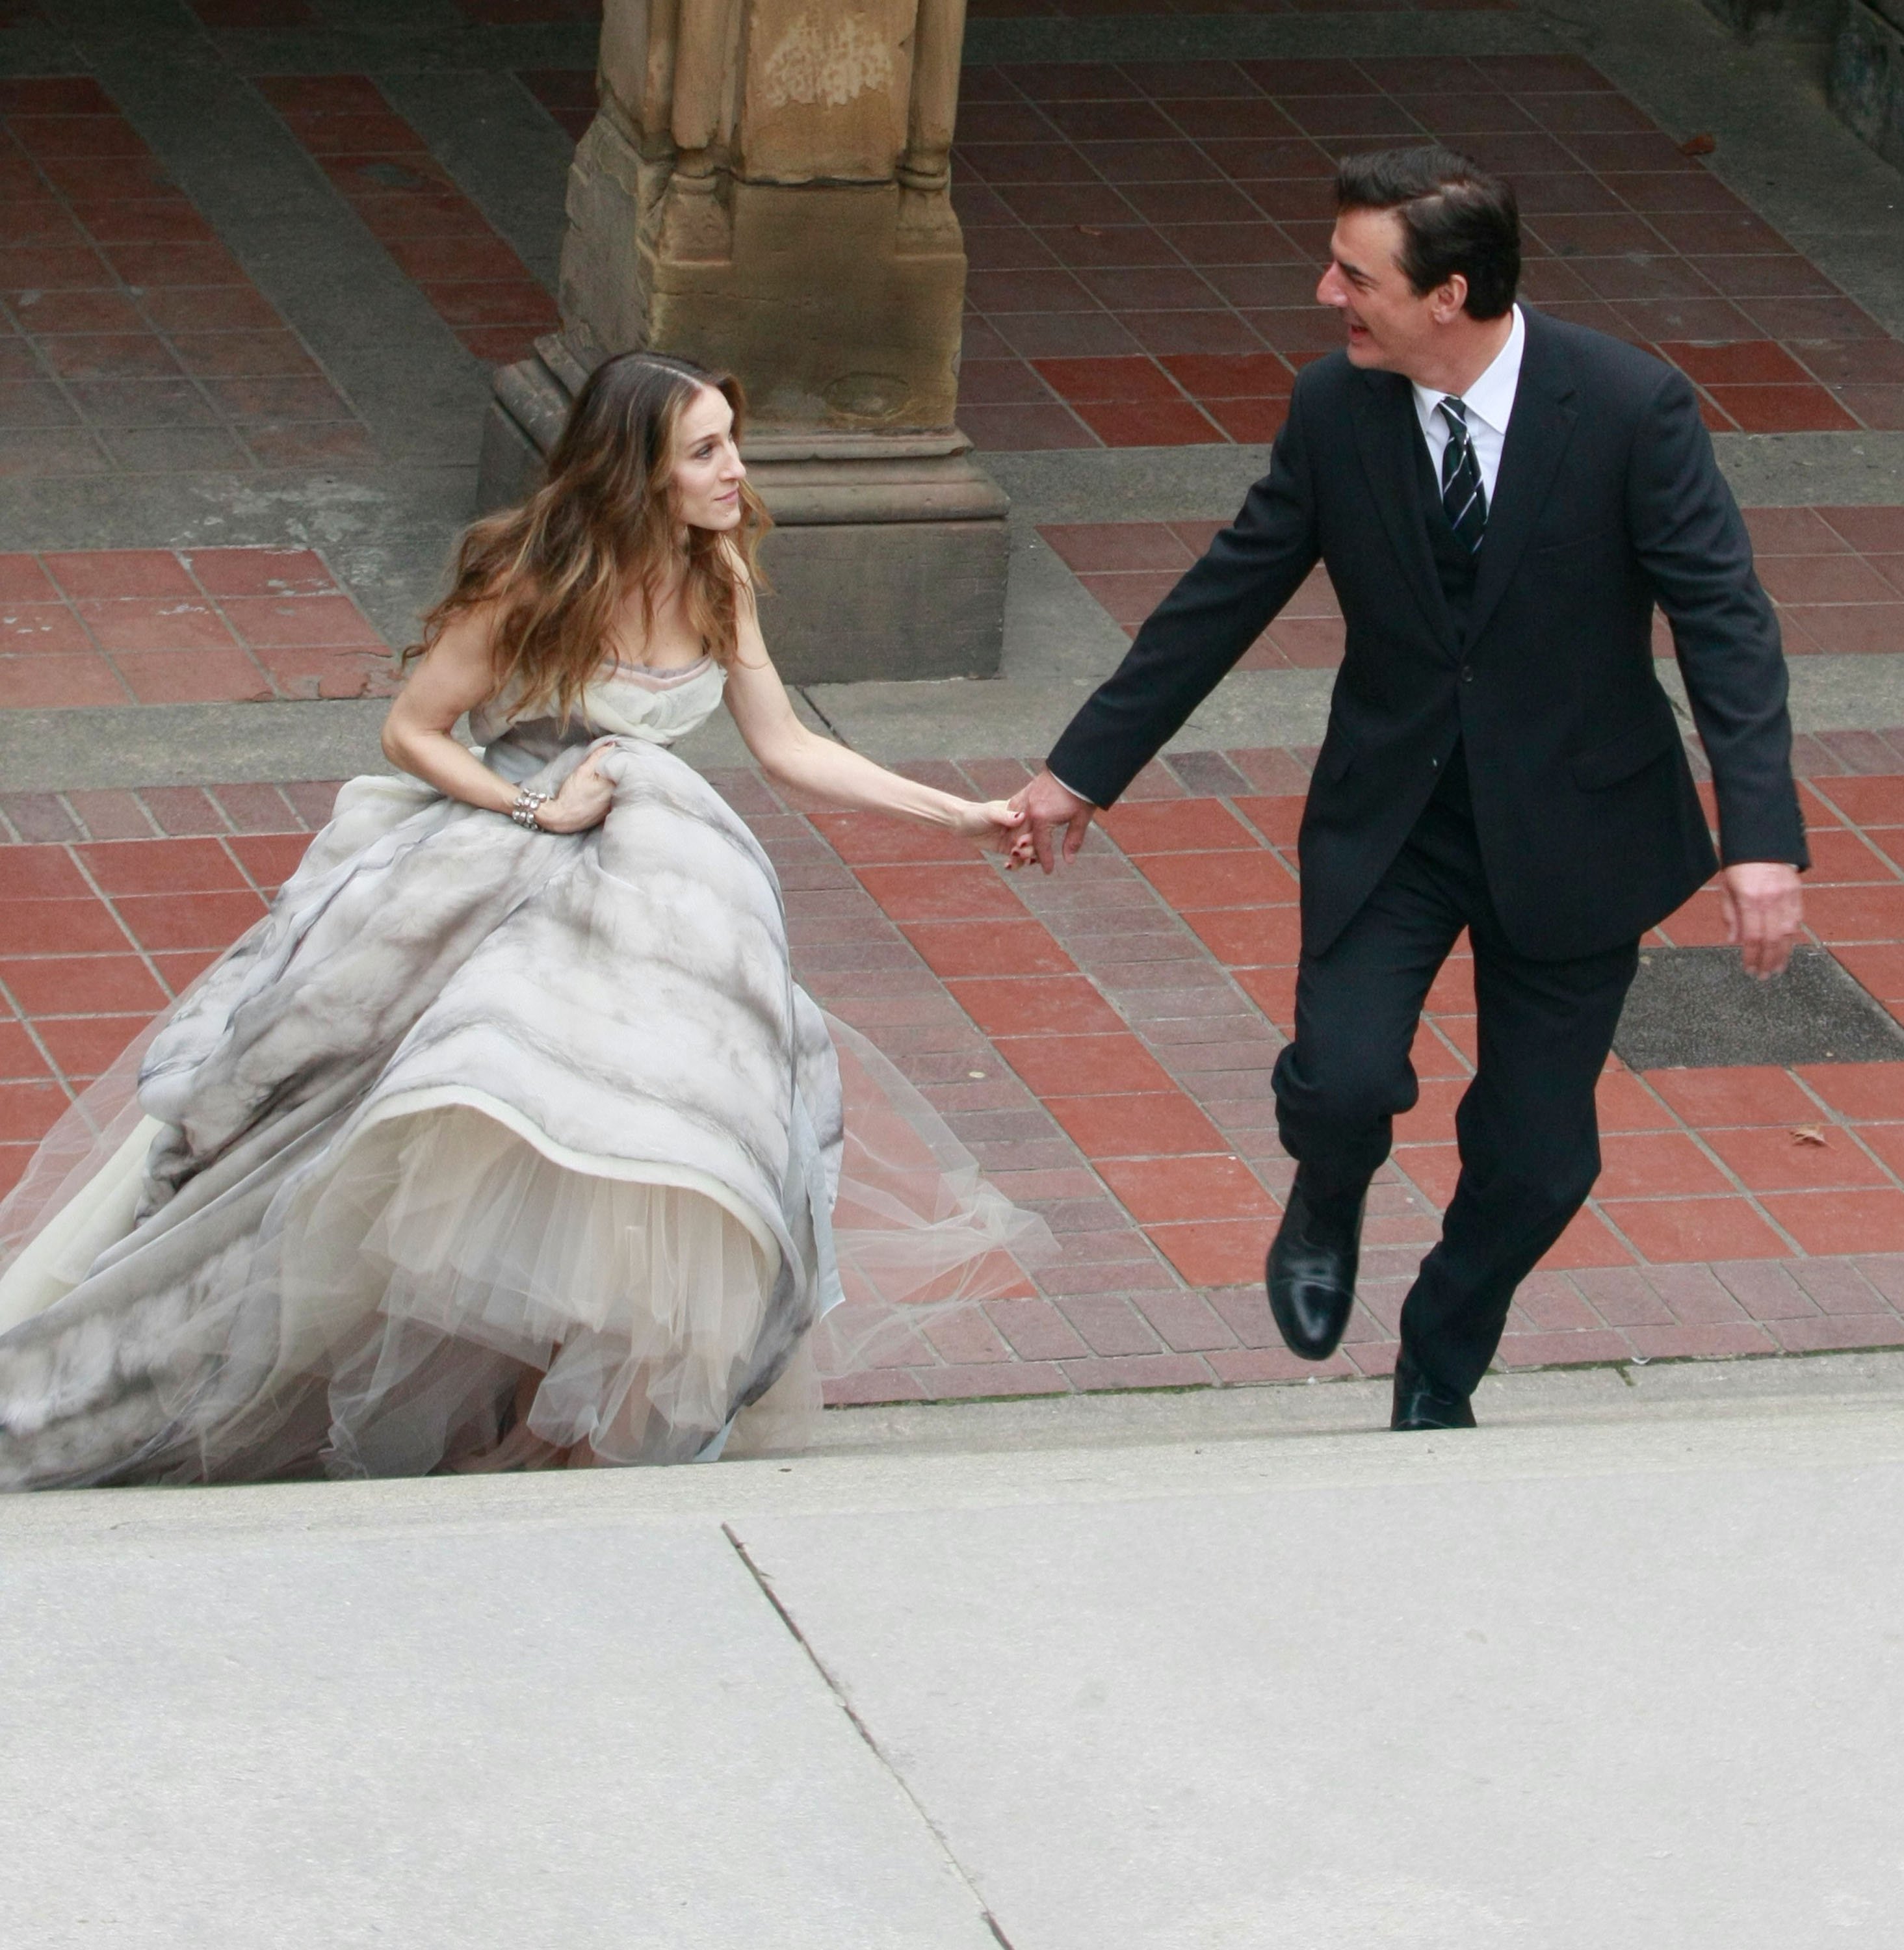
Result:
<point x="889" y="553"/>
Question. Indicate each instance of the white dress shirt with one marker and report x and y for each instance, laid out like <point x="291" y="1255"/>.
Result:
<point x="1489" y="402"/>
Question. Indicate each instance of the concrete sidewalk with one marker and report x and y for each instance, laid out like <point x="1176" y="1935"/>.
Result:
<point x="1622" y="1667"/>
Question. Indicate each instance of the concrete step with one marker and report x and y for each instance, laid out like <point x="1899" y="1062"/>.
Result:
<point x="1625" y="1665"/>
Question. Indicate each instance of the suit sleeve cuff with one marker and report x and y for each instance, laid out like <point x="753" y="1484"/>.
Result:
<point x="1076" y="794"/>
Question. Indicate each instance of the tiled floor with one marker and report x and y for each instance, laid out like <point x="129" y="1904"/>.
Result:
<point x="131" y="340"/>
<point x="1103" y="1041"/>
<point x="1835" y="574"/>
<point x="154" y="626"/>
<point x="1131" y="566"/>
<point x="478" y="284"/>
<point x="1144" y="241"/>
<point x="1144" y="238"/>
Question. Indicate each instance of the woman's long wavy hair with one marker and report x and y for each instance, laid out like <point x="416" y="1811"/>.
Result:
<point x="558" y="568"/>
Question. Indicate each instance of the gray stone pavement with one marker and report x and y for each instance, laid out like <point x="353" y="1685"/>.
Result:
<point x="1148" y="1673"/>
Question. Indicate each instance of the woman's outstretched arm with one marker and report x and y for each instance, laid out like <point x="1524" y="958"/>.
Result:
<point x="456" y="676"/>
<point x="791" y="755"/>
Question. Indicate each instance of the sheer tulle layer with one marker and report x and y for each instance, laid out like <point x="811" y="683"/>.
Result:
<point x="638" y="1305"/>
<point x="484" y="1144"/>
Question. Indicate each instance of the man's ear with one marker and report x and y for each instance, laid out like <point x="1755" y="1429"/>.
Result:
<point x="1449" y="299"/>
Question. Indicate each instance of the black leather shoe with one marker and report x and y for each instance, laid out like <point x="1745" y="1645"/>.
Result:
<point x="1310" y="1270"/>
<point x="1421" y="1403"/>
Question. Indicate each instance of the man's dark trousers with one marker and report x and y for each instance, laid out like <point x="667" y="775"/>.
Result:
<point x="1529" y="1137"/>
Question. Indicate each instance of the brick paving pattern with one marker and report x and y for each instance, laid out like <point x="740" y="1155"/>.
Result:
<point x="1836" y="576"/>
<point x="1145" y="239"/>
<point x="153" y="626"/>
<point x="131" y="339"/>
<point x="1103" y="1041"/>
<point x="472" y="278"/>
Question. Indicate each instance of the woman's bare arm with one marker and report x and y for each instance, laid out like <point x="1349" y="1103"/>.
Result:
<point x="456" y="676"/>
<point x="791" y="755"/>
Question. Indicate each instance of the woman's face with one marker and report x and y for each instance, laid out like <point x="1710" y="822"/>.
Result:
<point x="708" y="468"/>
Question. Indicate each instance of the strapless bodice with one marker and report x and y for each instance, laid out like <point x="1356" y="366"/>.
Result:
<point x="626" y="701"/>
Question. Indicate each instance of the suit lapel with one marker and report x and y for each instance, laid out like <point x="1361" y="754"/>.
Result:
<point x="1385" y="433"/>
<point x="1538" y="430"/>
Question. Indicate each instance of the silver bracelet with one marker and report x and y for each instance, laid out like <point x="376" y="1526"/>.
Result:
<point x="524" y="809"/>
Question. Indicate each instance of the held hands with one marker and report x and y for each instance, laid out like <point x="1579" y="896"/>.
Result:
<point x="994" y="824"/>
<point x="1764" y="910"/>
<point x="1045" y="809"/>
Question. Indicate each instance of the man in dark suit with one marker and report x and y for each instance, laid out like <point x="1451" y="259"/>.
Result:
<point x="1500" y="498"/>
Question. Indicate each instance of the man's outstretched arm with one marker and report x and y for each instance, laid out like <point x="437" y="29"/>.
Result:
<point x="1191" y="640"/>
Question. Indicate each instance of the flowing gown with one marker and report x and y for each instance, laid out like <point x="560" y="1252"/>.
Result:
<point x="484" y="1142"/>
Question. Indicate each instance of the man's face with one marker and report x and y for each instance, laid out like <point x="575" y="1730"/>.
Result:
<point x="1389" y="326"/>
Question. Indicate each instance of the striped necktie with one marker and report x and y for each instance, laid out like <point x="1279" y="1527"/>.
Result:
<point x="1464" y="500"/>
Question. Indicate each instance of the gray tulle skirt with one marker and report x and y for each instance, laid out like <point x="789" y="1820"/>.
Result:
<point x="485" y="1149"/>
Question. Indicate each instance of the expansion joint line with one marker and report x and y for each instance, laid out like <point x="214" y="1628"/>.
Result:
<point x="864" y="1732"/>
<point x="838" y="736"/>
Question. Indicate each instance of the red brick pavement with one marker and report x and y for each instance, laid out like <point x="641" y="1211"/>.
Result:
<point x="1102" y="1041"/>
<point x="474" y="279"/>
<point x="1145" y="239"/>
<point x="1835" y="574"/>
<point x="154" y="626"/>
<point x="106" y="627"/>
<point x="131" y="338"/>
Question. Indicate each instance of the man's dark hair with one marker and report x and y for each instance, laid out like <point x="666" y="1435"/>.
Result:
<point x="1455" y="217"/>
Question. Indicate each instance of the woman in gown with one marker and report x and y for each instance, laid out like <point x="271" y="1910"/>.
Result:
<point x="507" y="1139"/>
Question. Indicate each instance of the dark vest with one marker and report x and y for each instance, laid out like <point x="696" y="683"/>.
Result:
<point x="1456" y="568"/>
<point x="1459" y="570"/>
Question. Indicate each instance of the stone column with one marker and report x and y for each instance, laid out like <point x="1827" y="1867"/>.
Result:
<point x="766" y="188"/>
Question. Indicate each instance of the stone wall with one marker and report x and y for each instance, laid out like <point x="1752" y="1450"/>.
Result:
<point x="1868" y="74"/>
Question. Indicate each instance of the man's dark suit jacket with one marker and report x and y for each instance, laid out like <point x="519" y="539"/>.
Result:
<point x="1609" y="497"/>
